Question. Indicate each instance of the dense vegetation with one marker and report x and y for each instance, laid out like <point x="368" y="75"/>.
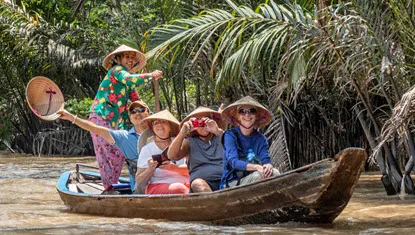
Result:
<point x="332" y="72"/>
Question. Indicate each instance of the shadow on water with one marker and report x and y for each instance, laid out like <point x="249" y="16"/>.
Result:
<point x="30" y="204"/>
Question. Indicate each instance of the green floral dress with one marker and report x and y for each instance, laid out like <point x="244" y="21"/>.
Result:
<point x="115" y="90"/>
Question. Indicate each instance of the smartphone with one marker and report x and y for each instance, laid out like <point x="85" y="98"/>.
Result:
<point x="160" y="158"/>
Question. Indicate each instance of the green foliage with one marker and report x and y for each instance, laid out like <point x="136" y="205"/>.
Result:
<point x="50" y="9"/>
<point x="278" y="51"/>
<point x="79" y="107"/>
<point x="285" y="50"/>
<point x="5" y="125"/>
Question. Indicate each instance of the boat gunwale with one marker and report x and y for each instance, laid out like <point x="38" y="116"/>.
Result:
<point x="286" y="206"/>
<point x="62" y="182"/>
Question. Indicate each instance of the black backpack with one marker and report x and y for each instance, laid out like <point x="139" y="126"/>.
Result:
<point x="240" y="174"/>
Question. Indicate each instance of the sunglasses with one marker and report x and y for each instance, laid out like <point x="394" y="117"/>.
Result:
<point x="138" y="110"/>
<point x="156" y="122"/>
<point x="247" y="111"/>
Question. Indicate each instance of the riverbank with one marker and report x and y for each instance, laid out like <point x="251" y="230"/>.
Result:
<point x="9" y="154"/>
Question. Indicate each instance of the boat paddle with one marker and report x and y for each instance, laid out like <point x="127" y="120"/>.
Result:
<point x="156" y="94"/>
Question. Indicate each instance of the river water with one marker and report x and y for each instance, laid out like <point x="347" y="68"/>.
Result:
<point x="30" y="204"/>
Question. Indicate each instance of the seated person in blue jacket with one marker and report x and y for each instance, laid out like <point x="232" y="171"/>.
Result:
<point x="199" y="141"/>
<point x="156" y="174"/>
<point x="246" y="158"/>
<point x="126" y="141"/>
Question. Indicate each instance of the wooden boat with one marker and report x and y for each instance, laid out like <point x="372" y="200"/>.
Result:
<point x="315" y="193"/>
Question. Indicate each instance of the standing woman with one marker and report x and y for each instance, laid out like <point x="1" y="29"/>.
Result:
<point x="110" y="108"/>
<point x="246" y="157"/>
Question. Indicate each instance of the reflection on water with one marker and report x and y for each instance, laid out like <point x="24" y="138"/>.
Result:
<point x="30" y="204"/>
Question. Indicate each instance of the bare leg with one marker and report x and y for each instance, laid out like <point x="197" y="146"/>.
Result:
<point x="199" y="185"/>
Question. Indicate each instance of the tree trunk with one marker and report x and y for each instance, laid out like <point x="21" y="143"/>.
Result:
<point x="380" y="159"/>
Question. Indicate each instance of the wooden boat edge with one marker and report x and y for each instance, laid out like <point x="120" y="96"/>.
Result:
<point x="328" y="214"/>
<point x="351" y="163"/>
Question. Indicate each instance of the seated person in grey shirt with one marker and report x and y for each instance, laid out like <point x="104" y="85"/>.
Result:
<point x="199" y="141"/>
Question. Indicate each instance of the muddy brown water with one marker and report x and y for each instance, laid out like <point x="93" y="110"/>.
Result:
<point x="30" y="204"/>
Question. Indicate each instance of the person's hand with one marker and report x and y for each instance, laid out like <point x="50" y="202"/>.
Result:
<point x="168" y="165"/>
<point x="260" y="169"/>
<point x="211" y="126"/>
<point x="267" y="170"/>
<point x="65" y="115"/>
<point x="221" y="108"/>
<point x="157" y="74"/>
<point x="152" y="164"/>
<point x="187" y="127"/>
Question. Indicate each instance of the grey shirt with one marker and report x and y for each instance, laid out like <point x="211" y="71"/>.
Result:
<point x="205" y="159"/>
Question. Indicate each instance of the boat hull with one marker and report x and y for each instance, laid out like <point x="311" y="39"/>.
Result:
<point x="315" y="193"/>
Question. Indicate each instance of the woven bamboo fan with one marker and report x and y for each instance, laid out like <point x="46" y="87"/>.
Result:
<point x="44" y="98"/>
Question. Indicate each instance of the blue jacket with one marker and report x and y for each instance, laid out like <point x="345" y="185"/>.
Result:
<point x="256" y="141"/>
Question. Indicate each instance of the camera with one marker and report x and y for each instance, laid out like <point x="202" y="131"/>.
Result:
<point x="198" y="123"/>
<point x="160" y="158"/>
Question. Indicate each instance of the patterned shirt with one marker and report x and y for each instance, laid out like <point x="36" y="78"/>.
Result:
<point x="115" y="90"/>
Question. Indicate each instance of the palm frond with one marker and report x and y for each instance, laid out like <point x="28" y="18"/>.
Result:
<point x="278" y="150"/>
<point x="402" y="115"/>
<point x="235" y="37"/>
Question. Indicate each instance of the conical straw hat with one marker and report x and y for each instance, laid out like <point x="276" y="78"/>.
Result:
<point x="123" y="48"/>
<point x="264" y="117"/>
<point x="205" y="112"/>
<point x="44" y="98"/>
<point x="162" y="115"/>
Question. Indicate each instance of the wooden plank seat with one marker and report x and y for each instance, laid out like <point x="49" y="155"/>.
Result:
<point x="98" y="188"/>
<point x="72" y="188"/>
<point x="90" y="188"/>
